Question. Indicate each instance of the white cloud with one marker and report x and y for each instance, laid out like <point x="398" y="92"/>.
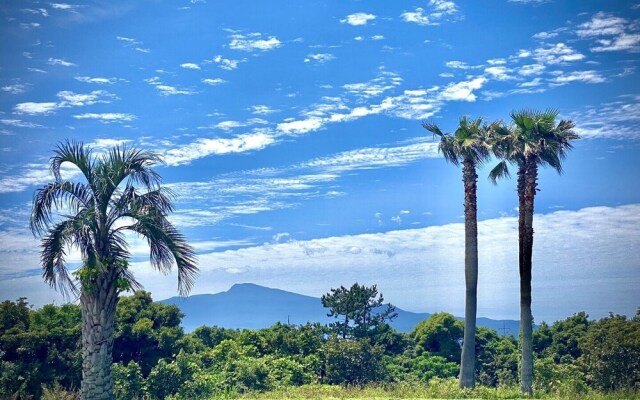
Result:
<point x="377" y="37"/>
<point x="628" y="42"/>
<point x="438" y="10"/>
<point x="61" y="62"/>
<point x="38" y="11"/>
<point x="463" y="91"/>
<point x="204" y="147"/>
<point x="320" y="58"/>
<point x="67" y="99"/>
<point x="71" y="99"/>
<point x="14" y="89"/>
<point x="167" y="90"/>
<point x="226" y="63"/>
<point x="613" y="120"/>
<point x="499" y="73"/>
<point x="19" y="123"/>
<point x="252" y="42"/>
<point x="262" y="109"/>
<point x="229" y="125"/>
<point x="20" y="178"/>
<point x="100" y="81"/>
<point x="559" y="53"/>
<point x="108" y="143"/>
<point x="545" y="35"/>
<point x="190" y="66"/>
<point x="32" y="108"/>
<point x="591" y="242"/>
<point x="213" y="81"/>
<point x="358" y="19"/>
<point x="300" y="126"/>
<point x="417" y="16"/>
<point x="63" y="6"/>
<point x="107" y="117"/>
<point x="532" y="83"/>
<point x="579" y="76"/>
<point x="531" y="69"/>
<point x="611" y="33"/>
<point x="602" y="24"/>
<point x="375" y="87"/>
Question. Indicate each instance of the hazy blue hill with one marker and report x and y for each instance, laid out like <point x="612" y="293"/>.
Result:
<point x="247" y="305"/>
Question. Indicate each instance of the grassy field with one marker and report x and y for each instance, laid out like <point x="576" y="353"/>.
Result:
<point x="436" y="389"/>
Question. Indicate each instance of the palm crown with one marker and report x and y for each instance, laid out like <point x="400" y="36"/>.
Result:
<point x="470" y="141"/>
<point x="121" y="193"/>
<point x="533" y="135"/>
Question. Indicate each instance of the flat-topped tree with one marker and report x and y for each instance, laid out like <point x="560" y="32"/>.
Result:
<point x="534" y="139"/>
<point x="469" y="145"/>
<point x="120" y="192"/>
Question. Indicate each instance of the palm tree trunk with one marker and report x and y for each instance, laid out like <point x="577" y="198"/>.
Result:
<point x="98" y="304"/>
<point x="530" y="178"/>
<point x="468" y="357"/>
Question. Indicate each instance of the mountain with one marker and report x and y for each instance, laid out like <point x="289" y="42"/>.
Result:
<point x="250" y="306"/>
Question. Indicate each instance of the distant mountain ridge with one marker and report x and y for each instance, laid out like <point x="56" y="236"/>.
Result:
<point x="251" y="306"/>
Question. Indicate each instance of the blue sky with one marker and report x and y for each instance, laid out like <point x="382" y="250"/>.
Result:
<point x="291" y="132"/>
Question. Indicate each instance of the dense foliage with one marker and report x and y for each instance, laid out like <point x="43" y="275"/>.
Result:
<point x="155" y="359"/>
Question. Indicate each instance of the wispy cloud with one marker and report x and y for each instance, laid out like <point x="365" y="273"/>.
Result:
<point x="204" y="147"/>
<point x="98" y="80"/>
<point x="616" y="120"/>
<point x="256" y="191"/>
<point x="225" y="63"/>
<point x="611" y="33"/>
<point x="579" y="76"/>
<point x="133" y="43"/>
<point x="19" y="123"/>
<point x="438" y="10"/>
<point x="15" y="88"/>
<point x="253" y="41"/>
<point x="67" y="98"/>
<point x="358" y="19"/>
<point x="189" y="66"/>
<point x="262" y="109"/>
<point x="168" y="90"/>
<point x="213" y="81"/>
<point x="107" y="117"/>
<point x="320" y="58"/>
<point x="60" y="62"/>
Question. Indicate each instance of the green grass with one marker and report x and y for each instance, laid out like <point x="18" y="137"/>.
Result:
<point x="435" y="389"/>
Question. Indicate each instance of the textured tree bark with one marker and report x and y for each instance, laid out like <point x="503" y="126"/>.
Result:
<point x="526" y="267"/>
<point x="98" y="305"/>
<point x="468" y="357"/>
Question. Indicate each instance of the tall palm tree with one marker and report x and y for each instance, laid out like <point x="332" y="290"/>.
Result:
<point x="120" y="192"/>
<point x="533" y="140"/>
<point x="469" y="146"/>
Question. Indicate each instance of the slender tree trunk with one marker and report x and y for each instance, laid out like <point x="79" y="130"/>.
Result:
<point x="530" y="178"/>
<point x="468" y="357"/>
<point x="98" y="305"/>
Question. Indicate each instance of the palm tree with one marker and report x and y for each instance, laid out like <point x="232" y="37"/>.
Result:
<point x="469" y="146"/>
<point x="533" y="140"/>
<point x="120" y="192"/>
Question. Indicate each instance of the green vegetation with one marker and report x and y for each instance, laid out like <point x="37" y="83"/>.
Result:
<point x="40" y="356"/>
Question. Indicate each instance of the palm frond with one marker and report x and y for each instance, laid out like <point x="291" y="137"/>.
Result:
<point x="54" y="270"/>
<point x="76" y="154"/>
<point x="57" y="195"/>
<point x="167" y="246"/>
<point x="433" y="128"/>
<point x="500" y="171"/>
